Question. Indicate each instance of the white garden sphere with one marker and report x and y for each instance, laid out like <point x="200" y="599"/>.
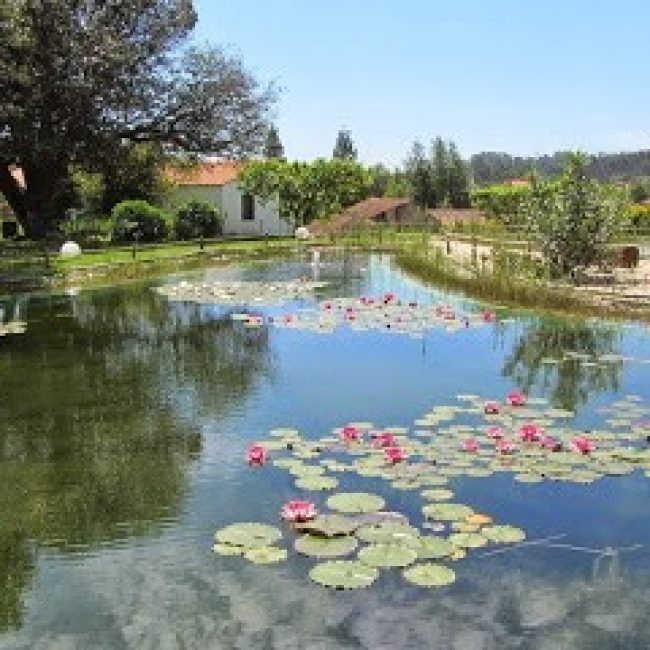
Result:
<point x="302" y="233"/>
<point x="70" y="249"/>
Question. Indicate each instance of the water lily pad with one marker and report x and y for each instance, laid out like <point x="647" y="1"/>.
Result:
<point x="325" y="547"/>
<point x="248" y="535"/>
<point x="430" y="575"/>
<point x="447" y="511"/>
<point x="343" y="574"/>
<point x="439" y="494"/>
<point x="388" y="532"/>
<point x="317" y="483"/>
<point x="266" y="555"/>
<point x="329" y="525"/>
<point x="468" y="540"/>
<point x="503" y="534"/>
<point x="355" y="502"/>
<point x="433" y="548"/>
<point x="228" y="549"/>
<point x="387" y="555"/>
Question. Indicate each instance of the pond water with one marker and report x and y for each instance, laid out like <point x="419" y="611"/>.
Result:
<point x="124" y="421"/>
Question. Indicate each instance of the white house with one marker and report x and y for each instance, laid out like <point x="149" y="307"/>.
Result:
<point x="216" y="183"/>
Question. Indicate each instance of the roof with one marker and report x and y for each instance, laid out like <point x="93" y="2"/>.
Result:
<point x="205" y="173"/>
<point x="362" y="212"/>
<point x="518" y="182"/>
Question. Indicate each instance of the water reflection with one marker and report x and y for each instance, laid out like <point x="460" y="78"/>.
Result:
<point x="96" y="437"/>
<point x="559" y="357"/>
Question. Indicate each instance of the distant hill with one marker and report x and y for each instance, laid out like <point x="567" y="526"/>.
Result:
<point x="494" y="167"/>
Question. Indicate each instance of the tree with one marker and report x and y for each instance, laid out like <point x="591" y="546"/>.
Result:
<point x="273" y="147"/>
<point x="457" y="179"/>
<point x="197" y="219"/>
<point x="77" y="79"/>
<point x="573" y="219"/>
<point x="418" y="171"/>
<point x="440" y="171"/>
<point x="344" y="148"/>
<point x="307" y="191"/>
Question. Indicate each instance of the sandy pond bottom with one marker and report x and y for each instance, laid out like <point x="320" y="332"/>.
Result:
<point x="124" y="421"/>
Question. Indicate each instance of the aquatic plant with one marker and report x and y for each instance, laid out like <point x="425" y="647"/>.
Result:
<point x="298" y="511"/>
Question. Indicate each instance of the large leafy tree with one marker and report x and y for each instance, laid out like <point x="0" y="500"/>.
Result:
<point x="307" y="191"/>
<point x="573" y="219"/>
<point x="79" y="78"/>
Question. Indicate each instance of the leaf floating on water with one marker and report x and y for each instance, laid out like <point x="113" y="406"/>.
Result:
<point x="447" y="511"/>
<point x="343" y="574"/>
<point x="468" y="540"/>
<point x="329" y="525"/>
<point x="437" y="494"/>
<point x="433" y="548"/>
<point x="355" y="502"/>
<point x="317" y="483"/>
<point x="228" y="549"/>
<point x="503" y="534"/>
<point x="248" y="535"/>
<point x="266" y="555"/>
<point x="325" y="547"/>
<point x="389" y="532"/>
<point x="387" y="555"/>
<point x="430" y="575"/>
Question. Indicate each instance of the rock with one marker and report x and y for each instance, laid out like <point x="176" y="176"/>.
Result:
<point x="302" y="233"/>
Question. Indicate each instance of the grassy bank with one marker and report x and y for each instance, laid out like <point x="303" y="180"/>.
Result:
<point x="503" y="288"/>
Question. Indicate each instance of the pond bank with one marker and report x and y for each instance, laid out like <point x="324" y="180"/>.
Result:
<point x="628" y="300"/>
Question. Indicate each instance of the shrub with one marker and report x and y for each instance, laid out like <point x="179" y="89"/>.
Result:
<point x="639" y="216"/>
<point x="197" y="219"/>
<point x="138" y="220"/>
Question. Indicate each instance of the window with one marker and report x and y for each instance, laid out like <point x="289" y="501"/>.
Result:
<point x="247" y="207"/>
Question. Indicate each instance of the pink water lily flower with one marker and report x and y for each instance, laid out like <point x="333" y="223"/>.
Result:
<point x="395" y="455"/>
<point x="515" y="398"/>
<point x="582" y="445"/>
<point x="388" y="297"/>
<point x="550" y="443"/>
<point x="256" y="455"/>
<point x="350" y="434"/>
<point x="494" y="433"/>
<point x="298" y="511"/>
<point x="383" y="440"/>
<point x="530" y="432"/>
<point x="505" y="447"/>
<point x="491" y="408"/>
<point x="488" y="316"/>
<point x="470" y="445"/>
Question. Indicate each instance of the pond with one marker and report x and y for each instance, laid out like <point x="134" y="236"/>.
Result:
<point x="124" y="423"/>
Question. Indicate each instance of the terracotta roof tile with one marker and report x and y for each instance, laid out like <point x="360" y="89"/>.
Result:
<point x="205" y="173"/>
<point x="363" y="212"/>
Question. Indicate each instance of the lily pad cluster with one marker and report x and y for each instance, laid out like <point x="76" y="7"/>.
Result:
<point x="354" y="536"/>
<point x="386" y="314"/>
<point x="235" y="293"/>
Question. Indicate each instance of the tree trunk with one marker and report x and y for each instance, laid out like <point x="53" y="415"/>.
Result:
<point x="14" y="195"/>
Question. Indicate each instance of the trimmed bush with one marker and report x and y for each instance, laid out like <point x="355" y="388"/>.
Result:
<point x="138" y="220"/>
<point x="197" y="219"/>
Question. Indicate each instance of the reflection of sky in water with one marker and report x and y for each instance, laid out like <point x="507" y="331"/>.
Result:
<point x="166" y="590"/>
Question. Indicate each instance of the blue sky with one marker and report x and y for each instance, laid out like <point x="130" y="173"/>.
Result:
<point x="527" y="76"/>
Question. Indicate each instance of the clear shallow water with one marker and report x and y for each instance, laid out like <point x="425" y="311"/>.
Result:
<point x="123" y="422"/>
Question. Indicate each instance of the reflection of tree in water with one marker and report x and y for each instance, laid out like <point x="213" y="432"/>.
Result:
<point x="570" y="381"/>
<point x="98" y="420"/>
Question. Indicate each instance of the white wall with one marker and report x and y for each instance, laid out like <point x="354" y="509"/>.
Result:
<point x="267" y="220"/>
<point x="228" y="200"/>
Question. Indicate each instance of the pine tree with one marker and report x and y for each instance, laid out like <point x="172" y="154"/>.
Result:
<point x="344" y="148"/>
<point x="418" y="170"/>
<point x="457" y="179"/>
<point x="273" y="147"/>
<point x="440" y="171"/>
